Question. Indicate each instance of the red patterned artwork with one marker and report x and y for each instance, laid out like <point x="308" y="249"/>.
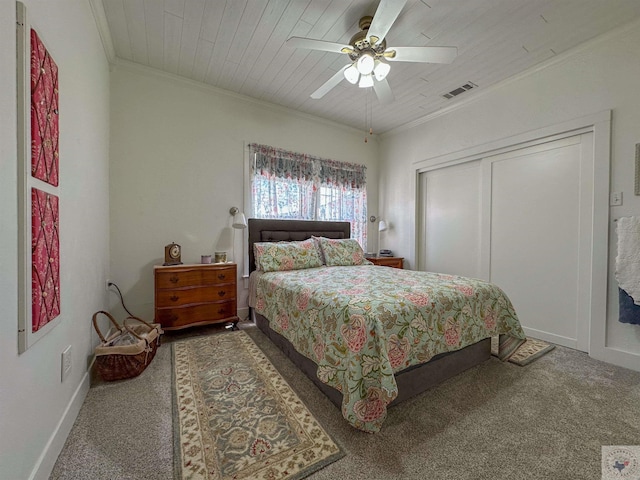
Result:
<point x="45" y="251"/>
<point x="44" y="113"/>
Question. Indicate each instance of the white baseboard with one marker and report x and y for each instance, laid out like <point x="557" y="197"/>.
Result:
<point x="243" y="313"/>
<point x="618" y="357"/>
<point x="610" y="355"/>
<point x="550" y="337"/>
<point x="46" y="462"/>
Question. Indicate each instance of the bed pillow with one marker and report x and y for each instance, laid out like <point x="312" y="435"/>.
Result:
<point x="280" y="256"/>
<point x="342" y="252"/>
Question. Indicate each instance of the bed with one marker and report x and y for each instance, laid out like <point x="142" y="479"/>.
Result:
<point x="369" y="337"/>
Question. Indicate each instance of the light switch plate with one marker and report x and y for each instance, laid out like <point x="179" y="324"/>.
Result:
<point x="66" y="363"/>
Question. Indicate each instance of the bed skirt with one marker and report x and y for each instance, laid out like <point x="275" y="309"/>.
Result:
<point x="412" y="381"/>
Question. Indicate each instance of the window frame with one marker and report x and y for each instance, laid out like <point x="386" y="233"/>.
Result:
<point x="248" y="196"/>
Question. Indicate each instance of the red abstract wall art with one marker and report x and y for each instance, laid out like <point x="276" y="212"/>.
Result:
<point x="44" y="113"/>
<point x="45" y="242"/>
<point x="45" y="259"/>
<point x="38" y="124"/>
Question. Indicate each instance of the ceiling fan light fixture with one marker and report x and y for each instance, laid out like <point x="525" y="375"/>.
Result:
<point x="369" y="58"/>
<point x="365" y="64"/>
<point x="366" y="81"/>
<point x="352" y="74"/>
<point x="381" y="70"/>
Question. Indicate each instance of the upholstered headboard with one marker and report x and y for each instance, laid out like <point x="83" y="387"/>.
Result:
<point x="266" y="230"/>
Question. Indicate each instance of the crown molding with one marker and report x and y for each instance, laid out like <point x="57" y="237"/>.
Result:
<point x="558" y="59"/>
<point x="100" y="17"/>
<point x="211" y="90"/>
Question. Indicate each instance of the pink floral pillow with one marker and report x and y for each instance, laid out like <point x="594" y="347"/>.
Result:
<point x="342" y="252"/>
<point x="280" y="256"/>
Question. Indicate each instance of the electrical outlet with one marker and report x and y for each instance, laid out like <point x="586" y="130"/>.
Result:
<point x="66" y="363"/>
<point x="615" y="199"/>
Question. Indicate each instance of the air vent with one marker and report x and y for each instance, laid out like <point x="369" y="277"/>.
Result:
<point x="459" y="90"/>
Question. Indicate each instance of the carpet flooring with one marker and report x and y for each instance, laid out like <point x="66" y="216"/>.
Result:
<point x="546" y="420"/>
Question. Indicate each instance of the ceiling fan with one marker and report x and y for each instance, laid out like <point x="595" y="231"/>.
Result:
<point x="369" y="55"/>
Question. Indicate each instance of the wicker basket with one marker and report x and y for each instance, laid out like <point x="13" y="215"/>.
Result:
<point x="126" y="350"/>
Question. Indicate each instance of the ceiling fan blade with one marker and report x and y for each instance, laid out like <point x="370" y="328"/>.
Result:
<point x="386" y="14"/>
<point x="329" y="84"/>
<point x="310" y="43"/>
<point x="422" y="54"/>
<point x="383" y="91"/>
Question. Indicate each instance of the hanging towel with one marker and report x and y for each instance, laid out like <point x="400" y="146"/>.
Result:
<point x="628" y="269"/>
<point x="629" y="311"/>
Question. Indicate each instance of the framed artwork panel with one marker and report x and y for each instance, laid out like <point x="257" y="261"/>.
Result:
<point x="38" y="185"/>
<point x="45" y="259"/>
<point x="44" y="112"/>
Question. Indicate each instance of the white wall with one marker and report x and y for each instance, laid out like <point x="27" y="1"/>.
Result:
<point x="600" y="76"/>
<point x="36" y="408"/>
<point x="178" y="166"/>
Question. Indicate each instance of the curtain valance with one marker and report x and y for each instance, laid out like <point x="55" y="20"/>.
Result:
<point x="271" y="161"/>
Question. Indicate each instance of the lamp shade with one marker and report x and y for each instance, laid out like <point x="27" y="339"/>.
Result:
<point x="365" y="64"/>
<point x="381" y="70"/>
<point x="366" y="81"/>
<point x="352" y="74"/>
<point x="239" y="221"/>
<point x="382" y="226"/>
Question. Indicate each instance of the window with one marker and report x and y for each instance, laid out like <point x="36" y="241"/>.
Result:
<point x="291" y="185"/>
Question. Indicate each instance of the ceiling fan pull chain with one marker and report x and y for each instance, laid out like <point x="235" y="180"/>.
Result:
<point x="370" y="105"/>
<point x="366" y="114"/>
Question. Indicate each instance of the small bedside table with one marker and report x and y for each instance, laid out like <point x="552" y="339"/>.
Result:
<point x="395" y="262"/>
<point x="191" y="295"/>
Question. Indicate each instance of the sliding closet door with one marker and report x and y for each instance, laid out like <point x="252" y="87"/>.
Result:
<point x="449" y="229"/>
<point x="538" y="235"/>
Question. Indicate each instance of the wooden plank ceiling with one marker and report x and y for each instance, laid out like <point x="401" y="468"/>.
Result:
<point x="238" y="45"/>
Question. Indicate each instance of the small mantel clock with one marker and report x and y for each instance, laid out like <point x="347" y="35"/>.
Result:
<point x="172" y="253"/>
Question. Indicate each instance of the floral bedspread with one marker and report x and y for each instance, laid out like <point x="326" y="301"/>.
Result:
<point x="361" y="324"/>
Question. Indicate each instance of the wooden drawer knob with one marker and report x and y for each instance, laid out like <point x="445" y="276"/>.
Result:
<point x="222" y="293"/>
<point x="222" y="276"/>
<point x="174" y="279"/>
<point x="174" y="298"/>
<point x="221" y="310"/>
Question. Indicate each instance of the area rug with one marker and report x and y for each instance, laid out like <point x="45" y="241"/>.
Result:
<point x="235" y="417"/>
<point x="530" y="350"/>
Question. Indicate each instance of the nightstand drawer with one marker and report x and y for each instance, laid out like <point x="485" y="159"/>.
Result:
<point x="395" y="262"/>
<point x="186" y="296"/>
<point x="197" y="276"/>
<point x="194" y="314"/>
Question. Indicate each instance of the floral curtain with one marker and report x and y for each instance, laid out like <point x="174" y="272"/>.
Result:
<point x="298" y="186"/>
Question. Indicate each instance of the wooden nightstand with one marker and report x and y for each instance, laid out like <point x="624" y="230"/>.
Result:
<point x="395" y="262"/>
<point x="191" y="295"/>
